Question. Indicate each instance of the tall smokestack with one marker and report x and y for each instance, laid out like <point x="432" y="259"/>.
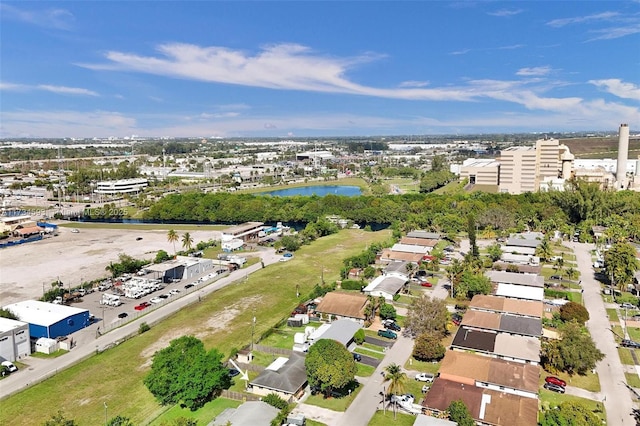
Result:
<point x="623" y="154"/>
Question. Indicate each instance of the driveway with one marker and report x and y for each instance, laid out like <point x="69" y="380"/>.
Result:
<point x="367" y="360"/>
<point x="379" y="342"/>
<point x="617" y="398"/>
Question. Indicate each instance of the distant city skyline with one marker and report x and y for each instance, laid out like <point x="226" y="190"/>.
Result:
<point x="325" y="68"/>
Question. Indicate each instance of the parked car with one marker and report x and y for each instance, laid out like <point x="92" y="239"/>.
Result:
<point x="555" y="277"/>
<point x="392" y="326"/>
<point x="426" y="284"/>
<point x="138" y="238"/>
<point x="424" y="377"/>
<point x="188" y="286"/>
<point x="9" y="366"/>
<point x="123" y="315"/>
<point x="174" y="291"/>
<point x="556" y="381"/>
<point x="628" y="305"/>
<point x="388" y="321"/>
<point x="142" y="306"/>
<point x="357" y="356"/>
<point x="156" y="300"/>
<point x="626" y="343"/>
<point x="233" y="372"/>
<point x="554" y="388"/>
<point x="456" y="319"/>
<point x="388" y="334"/>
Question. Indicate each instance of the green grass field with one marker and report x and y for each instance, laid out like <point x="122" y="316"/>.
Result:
<point x="335" y="404"/>
<point x="203" y="416"/>
<point x="553" y="399"/>
<point x="632" y="380"/>
<point x="588" y="382"/>
<point x="364" y="370"/>
<point x="389" y="418"/>
<point x="221" y="320"/>
<point x="625" y="356"/>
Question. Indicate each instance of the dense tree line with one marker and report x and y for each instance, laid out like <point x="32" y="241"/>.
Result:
<point x="580" y="207"/>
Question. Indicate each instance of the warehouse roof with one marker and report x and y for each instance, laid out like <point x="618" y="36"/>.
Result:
<point x="42" y="313"/>
<point x="7" y="324"/>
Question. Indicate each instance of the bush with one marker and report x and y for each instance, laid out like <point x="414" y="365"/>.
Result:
<point x="351" y="285"/>
<point x="387" y="311"/>
<point x="144" y="327"/>
<point x="428" y="347"/>
<point x="359" y="336"/>
<point x="275" y="401"/>
<point x="574" y="311"/>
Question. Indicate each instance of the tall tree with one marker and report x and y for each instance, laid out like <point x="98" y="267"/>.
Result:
<point x="172" y="237"/>
<point x="187" y="241"/>
<point x="471" y="231"/>
<point x="329" y="365"/>
<point x="459" y="413"/>
<point x="396" y="378"/>
<point x="185" y="372"/>
<point x="575" y="352"/>
<point x="427" y="315"/>
<point x="428" y="347"/>
<point x="621" y="264"/>
<point x="571" y="413"/>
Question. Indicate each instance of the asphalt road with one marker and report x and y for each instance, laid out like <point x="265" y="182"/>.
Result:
<point x="617" y="398"/>
<point x="87" y="344"/>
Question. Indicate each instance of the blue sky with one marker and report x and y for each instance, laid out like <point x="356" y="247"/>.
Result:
<point x="327" y="68"/>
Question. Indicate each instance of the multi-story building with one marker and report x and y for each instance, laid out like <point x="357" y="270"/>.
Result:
<point x="517" y="170"/>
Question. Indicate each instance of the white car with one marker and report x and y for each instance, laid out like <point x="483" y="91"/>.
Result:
<point x="424" y="377"/>
<point x="156" y="300"/>
<point x="10" y="366"/>
<point x="75" y="230"/>
<point x="174" y="291"/>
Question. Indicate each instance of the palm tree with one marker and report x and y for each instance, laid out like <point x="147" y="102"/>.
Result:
<point x="172" y="237"/>
<point x="396" y="378"/>
<point x="187" y="241"/>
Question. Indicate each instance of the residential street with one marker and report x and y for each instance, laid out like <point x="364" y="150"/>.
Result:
<point x="87" y="345"/>
<point x="617" y="398"/>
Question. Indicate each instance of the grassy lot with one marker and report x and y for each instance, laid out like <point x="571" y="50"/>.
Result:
<point x="399" y="419"/>
<point x="364" y="370"/>
<point x="372" y="354"/>
<point x="221" y="320"/>
<point x="634" y="333"/>
<point x="613" y="315"/>
<point x="335" y="404"/>
<point x="422" y="366"/>
<point x="553" y="399"/>
<point x="314" y="423"/>
<point x="588" y="382"/>
<point x="263" y="358"/>
<point x="625" y="356"/>
<point x="283" y="337"/>
<point x="406" y="185"/>
<point x="364" y="187"/>
<point x="203" y="416"/>
<point x="372" y="346"/>
<point x="632" y="380"/>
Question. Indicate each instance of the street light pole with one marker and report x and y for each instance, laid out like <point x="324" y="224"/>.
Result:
<point x="105" y="414"/>
<point x="253" y="329"/>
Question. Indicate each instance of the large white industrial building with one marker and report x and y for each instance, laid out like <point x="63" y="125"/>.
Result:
<point x="15" y="341"/>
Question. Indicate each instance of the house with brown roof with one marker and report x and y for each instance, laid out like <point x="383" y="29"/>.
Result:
<point x="342" y="305"/>
<point x="529" y="308"/>
<point x="503" y="322"/>
<point x="486" y="406"/>
<point x="422" y="242"/>
<point x="388" y="255"/>
<point x="501" y="345"/>
<point x="491" y="373"/>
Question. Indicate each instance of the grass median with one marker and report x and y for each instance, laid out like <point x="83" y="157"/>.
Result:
<point x="221" y="320"/>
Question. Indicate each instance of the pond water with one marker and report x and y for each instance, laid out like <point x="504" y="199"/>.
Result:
<point x="319" y="190"/>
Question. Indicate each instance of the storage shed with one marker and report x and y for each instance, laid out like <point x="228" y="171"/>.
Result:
<point x="48" y="319"/>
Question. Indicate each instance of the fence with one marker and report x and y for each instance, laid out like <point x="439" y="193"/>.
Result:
<point x="271" y="350"/>
<point x="239" y="396"/>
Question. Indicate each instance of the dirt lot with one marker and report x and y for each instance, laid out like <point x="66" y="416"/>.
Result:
<point x="73" y="257"/>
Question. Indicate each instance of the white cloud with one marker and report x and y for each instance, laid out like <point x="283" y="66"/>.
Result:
<point x="604" y="16"/>
<point x="66" y="90"/>
<point x="460" y="52"/>
<point x="618" y="88"/>
<point x="615" y="32"/>
<point x="60" y="19"/>
<point x="534" y="71"/>
<point x="63" y="90"/>
<point x="413" y="83"/>
<point x="506" y="12"/>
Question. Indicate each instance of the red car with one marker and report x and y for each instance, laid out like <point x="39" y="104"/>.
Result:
<point x="555" y="381"/>
<point x="426" y="284"/>
<point x="142" y="306"/>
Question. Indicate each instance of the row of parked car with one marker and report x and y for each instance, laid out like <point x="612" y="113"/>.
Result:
<point x="555" y="384"/>
<point x="390" y="327"/>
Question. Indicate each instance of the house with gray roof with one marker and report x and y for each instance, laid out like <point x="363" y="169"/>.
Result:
<point x="386" y="286"/>
<point x="523" y="242"/>
<point x="251" y="413"/>
<point x="502" y="277"/>
<point x="341" y="331"/>
<point x="286" y="377"/>
<point x="424" y="234"/>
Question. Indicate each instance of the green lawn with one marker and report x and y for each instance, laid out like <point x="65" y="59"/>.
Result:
<point x="335" y="404"/>
<point x="314" y="423"/>
<point x="263" y="358"/>
<point x="221" y="321"/>
<point x="372" y="354"/>
<point x="552" y="399"/>
<point x="632" y="380"/>
<point x="203" y="415"/>
<point x="283" y="337"/>
<point x="422" y="366"/>
<point x="634" y="333"/>
<point x="613" y="315"/>
<point x="372" y="346"/>
<point x="625" y="356"/>
<point x="364" y="370"/>
<point x="399" y="419"/>
<point x="588" y="382"/>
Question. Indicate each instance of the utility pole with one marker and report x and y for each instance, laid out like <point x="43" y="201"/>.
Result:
<point x="253" y="330"/>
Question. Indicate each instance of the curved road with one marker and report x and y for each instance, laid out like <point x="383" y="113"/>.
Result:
<point x="617" y="398"/>
<point x="88" y="345"/>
